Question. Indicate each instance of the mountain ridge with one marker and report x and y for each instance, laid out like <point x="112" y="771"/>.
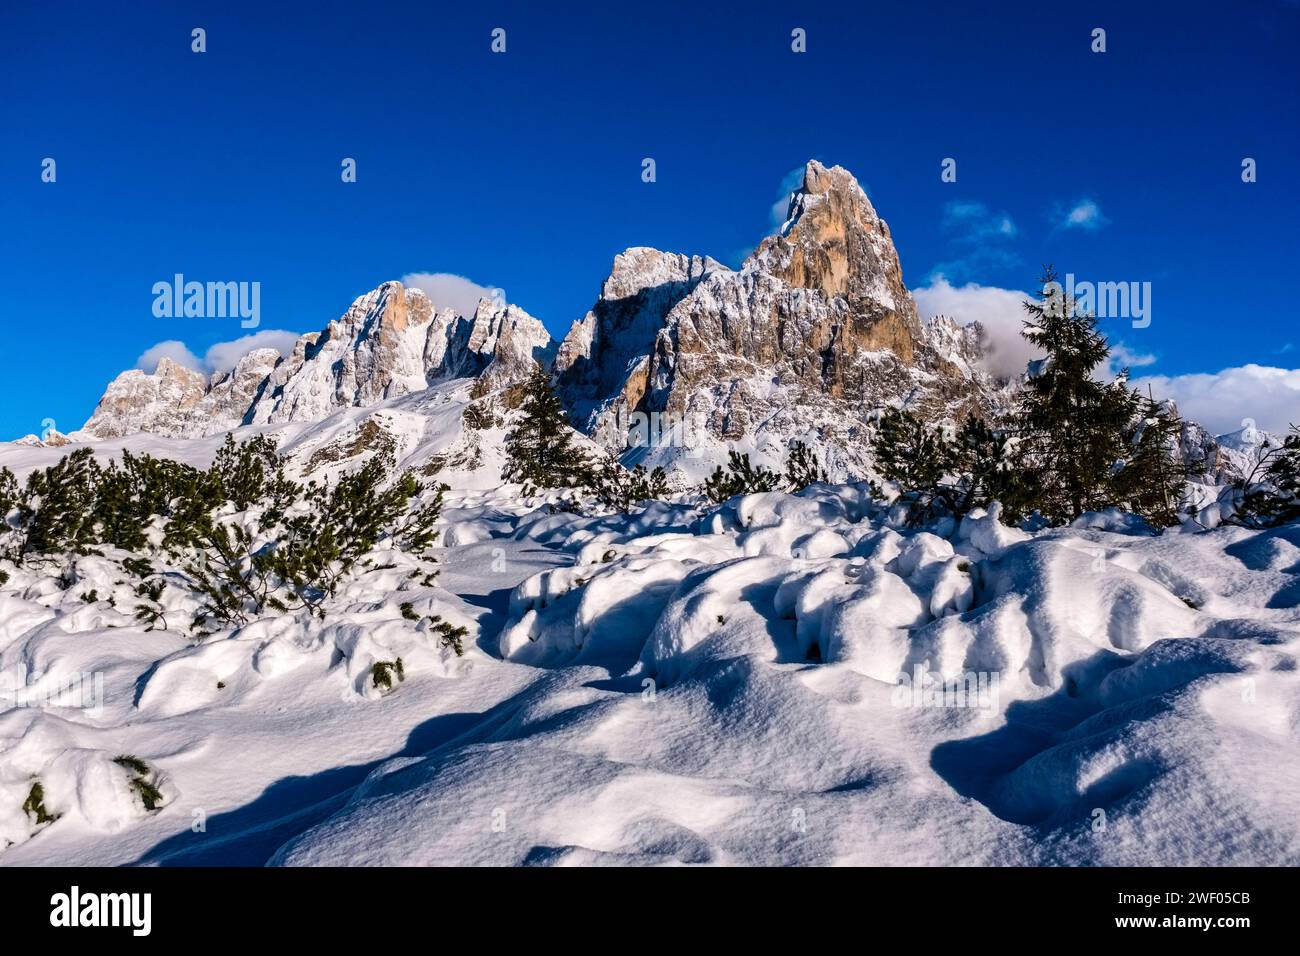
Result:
<point x="809" y="339"/>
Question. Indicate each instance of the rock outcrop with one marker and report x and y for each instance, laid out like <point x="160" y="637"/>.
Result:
<point x="390" y="342"/>
<point x="808" y="340"/>
<point x="160" y="402"/>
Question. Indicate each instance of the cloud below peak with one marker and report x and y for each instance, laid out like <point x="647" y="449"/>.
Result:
<point x="1000" y="312"/>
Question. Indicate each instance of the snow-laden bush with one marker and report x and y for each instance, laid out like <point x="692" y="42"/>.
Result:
<point x="1270" y="494"/>
<point x="240" y="538"/>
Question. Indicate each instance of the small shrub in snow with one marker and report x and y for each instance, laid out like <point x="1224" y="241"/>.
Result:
<point x="151" y="613"/>
<point x="739" y="478"/>
<point x="1270" y="495"/>
<point x="53" y="512"/>
<point x="802" y="468"/>
<point x="311" y="540"/>
<point x="449" y="635"/>
<point x="942" y="474"/>
<point x="622" y="489"/>
<point x="248" y="540"/>
<point x="150" y="796"/>
<point x="34" y="805"/>
<point x="381" y="673"/>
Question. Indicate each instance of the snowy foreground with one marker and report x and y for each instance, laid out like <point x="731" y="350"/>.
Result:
<point x="781" y="680"/>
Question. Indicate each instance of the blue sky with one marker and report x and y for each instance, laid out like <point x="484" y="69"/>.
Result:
<point x="523" y="170"/>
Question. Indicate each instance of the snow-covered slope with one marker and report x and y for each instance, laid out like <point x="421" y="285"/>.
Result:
<point x="783" y="679"/>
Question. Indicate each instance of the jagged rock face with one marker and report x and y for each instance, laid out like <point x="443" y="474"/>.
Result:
<point x="391" y="342"/>
<point x="160" y="402"/>
<point x="814" y="333"/>
<point x="833" y="241"/>
<point x="374" y="351"/>
<point x="232" y="394"/>
<point x="503" y="345"/>
<point x="606" y="353"/>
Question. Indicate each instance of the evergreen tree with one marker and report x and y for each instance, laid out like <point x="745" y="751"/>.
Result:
<point x="988" y="469"/>
<point x="141" y="488"/>
<point x="1270" y="495"/>
<point x="739" y="478"/>
<point x="622" y="489"/>
<point x="942" y="474"/>
<point x="55" y="508"/>
<point x="802" y="468"/>
<point x="1073" y="426"/>
<point x="9" y="493"/>
<point x="540" y="447"/>
<point x="1152" y="481"/>
<point x="912" y="454"/>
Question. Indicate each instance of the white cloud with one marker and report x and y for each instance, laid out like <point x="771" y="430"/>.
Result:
<point x="1084" y="214"/>
<point x="1121" y="357"/>
<point x="1222" y="401"/>
<point x="171" y="349"/>
<point x="449" y="291"/>
<point x="222" y="356"/>
<point x="999" y="311"/>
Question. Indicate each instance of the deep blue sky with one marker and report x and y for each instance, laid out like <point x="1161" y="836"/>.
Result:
<point x="523" y="170"/>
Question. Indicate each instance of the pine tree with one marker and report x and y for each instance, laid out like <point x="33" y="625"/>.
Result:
<point x="1270" y="495"/>
<point x="55" y="512"/>
<point x="909" y="452"/>
<point x="622" y="489"/>
<point x="802" y="468"/>
<point x="939" y="473"/>
<point x="988" y="469"/>
<point x="1072" y="425"/>
<point x="739" y="478"/>
<point x="540" y="447"/>
<point x="1151" y="482"/>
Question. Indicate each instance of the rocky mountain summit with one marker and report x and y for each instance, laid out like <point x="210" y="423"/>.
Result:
<point x="809" y="339"/>
<point x="679" y="359"/>
<point x="391" y="342"/>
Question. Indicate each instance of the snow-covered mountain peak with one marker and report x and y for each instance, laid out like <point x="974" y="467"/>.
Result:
<point x="160" y="401"/>
<point x="391" y="341"/>
<point x="641" y="267"/>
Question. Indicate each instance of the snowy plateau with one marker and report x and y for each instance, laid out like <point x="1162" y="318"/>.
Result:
<point x="776" y="679"/>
